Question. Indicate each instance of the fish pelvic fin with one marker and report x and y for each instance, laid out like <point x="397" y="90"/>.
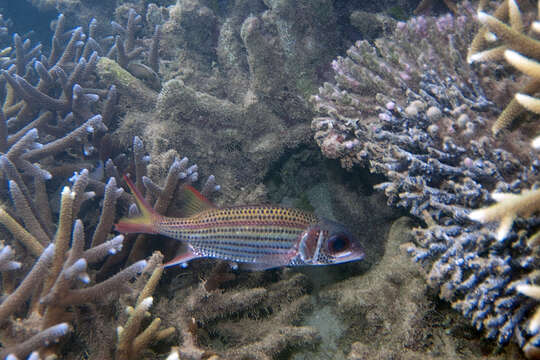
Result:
<point x="182" y="258"/>
<point x="145" y="222"/>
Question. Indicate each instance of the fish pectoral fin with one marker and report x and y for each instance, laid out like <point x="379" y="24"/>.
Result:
<point x="182" y="258"/>
<point x="270" y="261"/>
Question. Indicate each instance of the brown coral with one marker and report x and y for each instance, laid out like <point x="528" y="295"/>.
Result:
<point x="257" y="318"/>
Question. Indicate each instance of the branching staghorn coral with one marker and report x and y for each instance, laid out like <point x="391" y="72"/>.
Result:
<point x="421" y="117"/>
<point x="48" y="113"/>
<point x="497" y="40"/>
<point x="60" y="291"/>
<point x="509" y="207"/>
<point x="256" y="317"/>
<point x="131" y="343"/>
<point x="59" y="78"/>
<point x="68" y="104"/>
<point x="126" y="49"/>
<point x="179" y="174"/>
<point x="63" y="83"/>
<point x="532" y="69"/>
<point x="49" y="100"/>
<point x="42" y="339"/>
<point x="54" y="277"/>
<point x="506" y="211"/>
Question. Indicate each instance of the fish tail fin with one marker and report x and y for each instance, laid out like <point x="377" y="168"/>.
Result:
<point x="145" y="222"/>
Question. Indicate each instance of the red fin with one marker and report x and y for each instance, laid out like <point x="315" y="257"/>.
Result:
<point x="193" y="202"/>
<point x="145" y="223"/>
<point x="181" y="258"/>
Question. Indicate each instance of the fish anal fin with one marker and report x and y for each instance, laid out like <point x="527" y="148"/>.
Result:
<point x="182" y="258"/>
<point x="193" y="202"/>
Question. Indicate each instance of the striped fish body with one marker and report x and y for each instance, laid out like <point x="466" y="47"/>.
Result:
<point x="257" y="237"/>
<point x="246" y="234"/>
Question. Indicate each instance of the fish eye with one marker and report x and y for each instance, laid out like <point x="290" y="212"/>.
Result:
<point x="338" y="243"/>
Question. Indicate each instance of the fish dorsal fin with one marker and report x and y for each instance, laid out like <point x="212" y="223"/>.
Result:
<point x="193" y="202"/>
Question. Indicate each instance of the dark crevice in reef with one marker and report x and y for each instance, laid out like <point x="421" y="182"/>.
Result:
<point x="304" y="166"/>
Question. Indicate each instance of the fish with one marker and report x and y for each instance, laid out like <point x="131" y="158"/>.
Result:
<point x="255" y="237"/>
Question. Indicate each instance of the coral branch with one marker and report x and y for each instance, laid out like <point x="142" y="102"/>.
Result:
<point x="6" y="259"/>
<point x="93" y="124"/>
<point x="507" y="209"/>
<point x="130" y="341"/>
<point x="41" y="339"/>
<point x="113" y="285"/>
<point x="20" y="234"/>
<point x="16" y="299"/>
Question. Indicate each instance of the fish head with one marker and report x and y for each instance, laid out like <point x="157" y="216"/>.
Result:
<point x="328" y="242"/>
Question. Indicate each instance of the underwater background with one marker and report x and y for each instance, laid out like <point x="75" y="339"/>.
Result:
<point x="413" y="123"/>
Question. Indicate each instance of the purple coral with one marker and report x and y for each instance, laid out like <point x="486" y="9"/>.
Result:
<point x="413" y="110"/>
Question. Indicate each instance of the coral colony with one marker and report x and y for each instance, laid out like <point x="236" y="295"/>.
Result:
<point x="421" y="118"/>
<point x="48" y="109"/>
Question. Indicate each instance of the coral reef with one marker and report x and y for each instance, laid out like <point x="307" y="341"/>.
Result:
<point x="235" y="76"/>
<point x="412" y="109"/>
<point x="49" y="108"/>
<point x="223" y="94"/>
<point x="229" y="89"/>
<point x="51" y="285"/>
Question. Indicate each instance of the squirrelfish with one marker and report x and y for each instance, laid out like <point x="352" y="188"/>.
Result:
<point x="254" y="237"/>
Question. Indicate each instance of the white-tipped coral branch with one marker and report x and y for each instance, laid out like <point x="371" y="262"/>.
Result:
<point x="16" y="299"/>
<point x="130" y="340"/>
<point x="6" y="259"/>
<point x="518" y="48"/>
<point x="532" y="291"/>
<point x="507" y="209"/>
<point x="113" y="285"/>
<point x="106" y="219"/>
<point x="43" y="338"/>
